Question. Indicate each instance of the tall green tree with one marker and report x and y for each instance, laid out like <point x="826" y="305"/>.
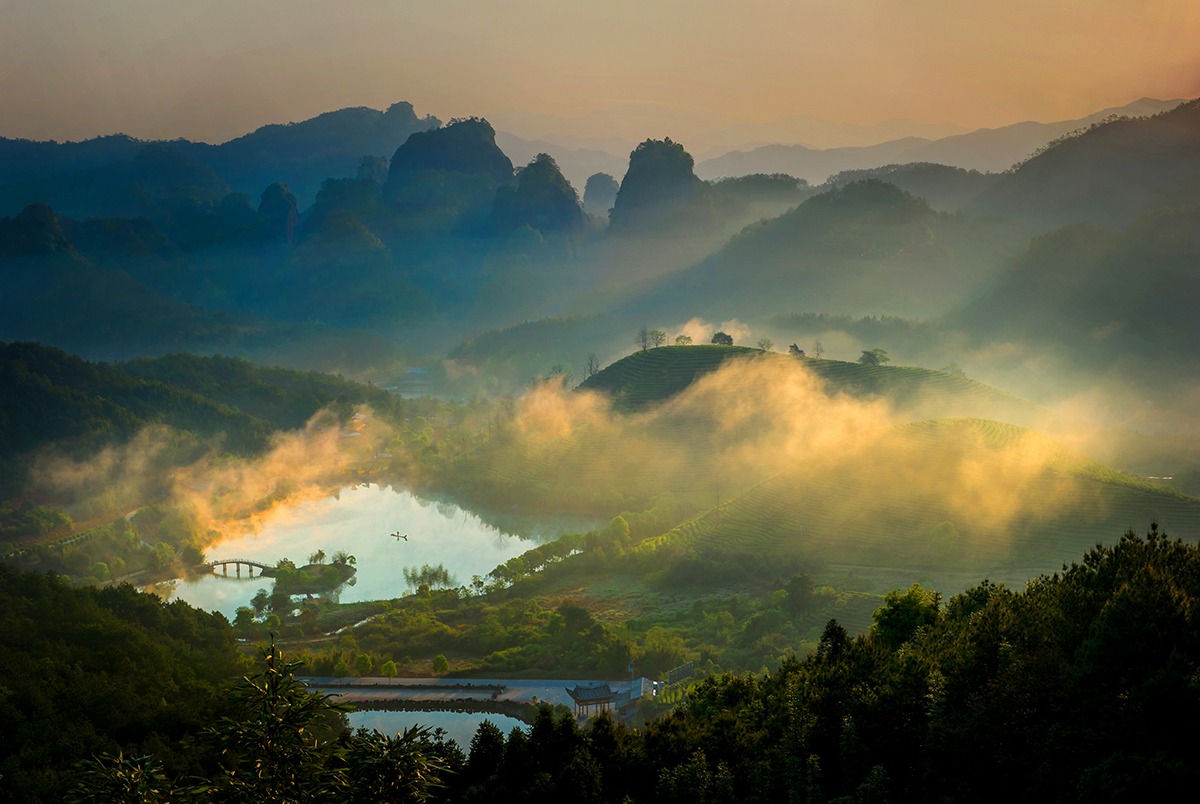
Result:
<point x="280" y="744"/>
<point x="903" y="613"/>
<point x="873" y="357"/>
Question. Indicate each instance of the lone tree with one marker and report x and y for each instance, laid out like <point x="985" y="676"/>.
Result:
<point x="818" y="348"/>
<point x="683" y="340"/>
<point x="643" y="337"/>
<point x="722" y="339"/>
<point x="765" y="344"/>
<point x="657" y="338"/>
<point x="904" y="612"/>
<point x="874" y="357"/>
<point x="592" y="367"/>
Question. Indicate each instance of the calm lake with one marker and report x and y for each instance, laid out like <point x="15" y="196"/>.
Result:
<point x="459" y="726"/>
<point x="361" y="520"/>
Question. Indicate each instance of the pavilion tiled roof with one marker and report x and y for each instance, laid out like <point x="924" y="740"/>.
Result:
<point x="599" y="692"/>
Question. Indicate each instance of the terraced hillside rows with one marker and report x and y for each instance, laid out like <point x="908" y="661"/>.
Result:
<point x="920" y="393"/>
<point x="944" y="503"/>
<point x="602" y="464"/>
<point x="656" y="438"/>
<point x="653" y="375"/>
<point x="644" y="378"/>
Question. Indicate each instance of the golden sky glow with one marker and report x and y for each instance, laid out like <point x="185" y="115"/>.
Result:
<point x="215" y="69"/>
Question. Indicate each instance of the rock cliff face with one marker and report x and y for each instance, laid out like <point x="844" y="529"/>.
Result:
<point x="465" y="146"/>
<point x="659" y="188"/>
<point x="449" y="177"/>
<point x="543" y="199"/>
<point x="600" y="194"/>
<point x="277" y="209"/>
<point x="306" y="153"/>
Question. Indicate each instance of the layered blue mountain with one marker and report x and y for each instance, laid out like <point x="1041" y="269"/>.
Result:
<point x="1106" y="175"/>
<point x="75" y="177"/>
<point x="867" y="247"/>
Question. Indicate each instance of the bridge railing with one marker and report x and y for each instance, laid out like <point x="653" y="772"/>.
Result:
<point x="225" y="562"/>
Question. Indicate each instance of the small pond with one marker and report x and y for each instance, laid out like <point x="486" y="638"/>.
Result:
<point x="459" y="726"/>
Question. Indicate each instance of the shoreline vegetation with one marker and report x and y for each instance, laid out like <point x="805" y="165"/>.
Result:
<point x="311" y="579"/>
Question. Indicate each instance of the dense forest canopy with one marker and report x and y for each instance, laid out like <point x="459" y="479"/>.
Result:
<point x="1076" y="689"/>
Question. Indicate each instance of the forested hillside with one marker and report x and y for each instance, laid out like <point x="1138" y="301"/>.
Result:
<point x="59" y="398"/>
<point x="1108" y="303"/>
<point x="91" y="671"/>
<point x="1106" y="176"/>
<point x="56" y="399"/>
<point x="1076" y="689"/>
<point x="99" y="439"/>
<point x="859" y="248"/>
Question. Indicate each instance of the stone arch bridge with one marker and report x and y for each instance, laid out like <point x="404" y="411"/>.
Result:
<point x="237" y="564"/>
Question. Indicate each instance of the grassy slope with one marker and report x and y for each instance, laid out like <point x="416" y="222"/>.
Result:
<point x="903" y="512"/>
<point x="644" y="378"/>
<point x="862" y="537"/>
<point x="609" y="472"/>
<point x="872" y="534"/>
<point x="655" y="374"/>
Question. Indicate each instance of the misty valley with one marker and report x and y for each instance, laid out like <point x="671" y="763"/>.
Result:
<point x="786" y="474"/>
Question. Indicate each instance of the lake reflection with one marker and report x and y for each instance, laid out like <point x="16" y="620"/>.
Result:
<point x="459" y="726"/>
<point x="359" y="520"/>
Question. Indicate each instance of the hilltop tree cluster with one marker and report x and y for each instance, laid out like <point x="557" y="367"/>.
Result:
<point x="650" y="338"/>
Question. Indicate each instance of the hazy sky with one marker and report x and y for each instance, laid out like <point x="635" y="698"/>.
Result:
<point x="214" y="69"/>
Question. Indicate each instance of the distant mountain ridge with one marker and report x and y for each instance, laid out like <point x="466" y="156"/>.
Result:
<point x="577" y="164"/>
<point x="858" y="249"/>
<point x="1120" y="302"/>
<point x="154" y="250"/>
<point x="992" y="150"/>
<point x="1107" y="175"/>
<point x="301" y="155"/>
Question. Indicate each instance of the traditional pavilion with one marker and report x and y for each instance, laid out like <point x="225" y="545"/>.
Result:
<point x="599" y="697"/>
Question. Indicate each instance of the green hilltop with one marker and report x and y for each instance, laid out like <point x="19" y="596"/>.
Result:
<point x="647" y="377"/>
<point x="941" y="501"/>
<point x="652" y="375"/>
<point x="960" y="487"/>
<point x="952" y="486"/>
